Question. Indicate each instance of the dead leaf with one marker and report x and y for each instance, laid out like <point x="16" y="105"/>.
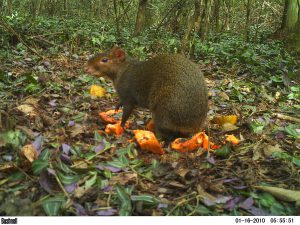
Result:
<point x="28" y="110"/>
<point x="270" y="149"/>
<point x="281" y="193"/>
<point x="224" y="96"/>
<point x="80" y="164"/>
<point x="182" y="172"/>
<point x="76" y="130"/>
<point x="176" y="184"/>
<point x="265" y="95"/>
<point x="226" y="127"/>
<point x="205" y="196"/>
<point x="29" y="152"/>
<point x="32" y="101"/>
<point x="123" y="178"/>
<point x="257" y="151"/>
<point x="26" y="131"/>
<point x="80" y="191"/>
<point x="4" y="167"/>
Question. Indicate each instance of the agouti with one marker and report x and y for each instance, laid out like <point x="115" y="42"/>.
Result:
<point x="171" y="86"/>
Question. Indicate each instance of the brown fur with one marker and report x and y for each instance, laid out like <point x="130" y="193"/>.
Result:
<point x="171" y="86"/>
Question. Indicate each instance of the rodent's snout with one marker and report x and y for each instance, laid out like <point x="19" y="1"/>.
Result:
<point x="88" y="69"/>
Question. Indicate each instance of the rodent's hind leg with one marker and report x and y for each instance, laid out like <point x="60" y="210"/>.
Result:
<point x="169" y="135"/>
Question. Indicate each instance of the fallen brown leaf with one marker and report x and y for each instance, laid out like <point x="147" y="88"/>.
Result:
<point x="123" y="178"/>
<point x="29" y="152"/>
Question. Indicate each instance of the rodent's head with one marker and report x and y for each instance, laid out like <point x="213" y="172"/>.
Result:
<point x="106" y="64"/>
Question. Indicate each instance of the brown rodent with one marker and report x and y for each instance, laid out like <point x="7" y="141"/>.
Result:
<point x="171" y="86"/>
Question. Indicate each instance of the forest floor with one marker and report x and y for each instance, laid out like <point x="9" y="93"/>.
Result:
<point x="53" y="161"/>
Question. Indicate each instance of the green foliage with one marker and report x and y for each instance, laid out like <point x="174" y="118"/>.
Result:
<point x="52" y="206"/>
<point x="124" y="198"/>
<point x="266" y="59"/>
<point x="12" y="139"/>
<point x="270" y="203"/>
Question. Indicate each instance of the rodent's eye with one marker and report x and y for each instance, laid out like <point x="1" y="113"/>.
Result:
<point x="104" y="60"/>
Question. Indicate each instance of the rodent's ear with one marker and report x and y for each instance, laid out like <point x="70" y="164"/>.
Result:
<point x="118" y="53"/>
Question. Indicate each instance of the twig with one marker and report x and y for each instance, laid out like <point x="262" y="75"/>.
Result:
<point x="60" y="184"/>
<point x="22" y="171"/>
<point x="44" y="35"/>
<point x="90" y="158"/>
<point x="290" y="118"/>
<point x="195" y="208"/>
<point x="181" y="203"/>
<point x="142" y="175"/>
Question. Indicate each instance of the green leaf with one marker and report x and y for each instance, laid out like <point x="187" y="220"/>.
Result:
<point x="12" y="138"/>
<point x="120" y="162"/>
<point x="53" y="205"/>
<point x="145" y="198"/>
<point x="68" y="179"/>
<point x="97" y="136"/>
<point x="154" y="164"/>
<point x="90" y="182"/>
<point x="30" y="78"/>
<point x="30" y="88"/>
<point x="224" y="151"/>
<point x="296" y="161"/>
<point x="257" y="127"/>
<point x="124" y="160"/>
<point x="277" y="209"/>
<point x="123" y="196"/>
<point x="45" y="155"/>
<point x="267" y="199"/>
<point x="16" y="176"/>
<point x="38" y="166"/>
<point x="291" y="131"/>
<point x="65" y="168"/>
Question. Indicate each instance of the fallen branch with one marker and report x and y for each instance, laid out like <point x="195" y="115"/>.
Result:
<point x="290" y="118"/>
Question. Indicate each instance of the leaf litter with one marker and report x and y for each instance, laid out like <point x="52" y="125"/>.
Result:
<point x="72" y="167"/>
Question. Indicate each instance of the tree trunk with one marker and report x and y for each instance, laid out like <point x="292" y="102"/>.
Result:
<point x="140" y="17"/>
<point x="187" y="34"/>
<point x="66" y="6"/>
<point x="9" y="7"/>
<point x="1" y="7"/>
<point x="104" y="8"/>
<point x="292" y="26"/>
<point x="204" y="20"/>
<point x="284" y="15"/>
<point x="228" y="15"/>
<point x="247" y="25"/>
<point x="193" y="24"/>
<point x="217" y="14"/>
<point x="35" y="6"/>
<point x="290" y="15"/>
<point x="116" y="18"/>
<point x="197" y="16"/>
<point x="175" y="20"/>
